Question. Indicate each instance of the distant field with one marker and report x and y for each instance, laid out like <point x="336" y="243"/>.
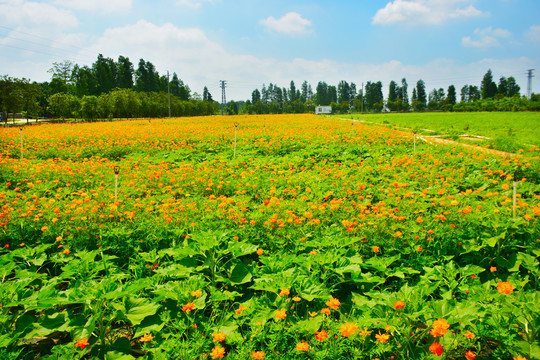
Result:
<point x="505" y="129"/>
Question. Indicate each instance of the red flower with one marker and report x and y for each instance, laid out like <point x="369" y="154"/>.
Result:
<point x="82" y="343"/>
<point x="470" y="355"/>
<point x="188" y="307"/>
<point x="436" y="348"/>
<point x="399" y="304"/>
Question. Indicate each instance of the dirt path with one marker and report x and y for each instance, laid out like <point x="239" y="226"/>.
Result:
<point x="435" y="140"/>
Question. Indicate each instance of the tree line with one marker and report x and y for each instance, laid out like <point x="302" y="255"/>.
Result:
<point x="346" y="97"/>
<point x="116" y="89"/>
<point x="107" y="89"/>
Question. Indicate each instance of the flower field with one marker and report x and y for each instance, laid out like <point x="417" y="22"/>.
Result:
<point x="307" y="238"/>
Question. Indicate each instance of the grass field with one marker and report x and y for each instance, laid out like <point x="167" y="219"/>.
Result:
<point x="304" y="238"/>
<point x="508" y="131"/>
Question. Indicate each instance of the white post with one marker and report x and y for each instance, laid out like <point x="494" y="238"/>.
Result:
<point x="235" y="133"/>
<point x="514" y="199"/>
<point x="116" y="172"/>
<point x="21" y="142"/>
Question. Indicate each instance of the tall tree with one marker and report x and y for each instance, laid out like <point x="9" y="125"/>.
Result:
<point x="63" y="73"/>
<point x="255" y="96"/>
<point x="304" y="94"/>
<point x="488" y="88"/>
<point x="125" y="73"/>
<point x="206" y="95"/>
<point x="512" y="87"/>
<point x="105" y="74"/>
<point x="451" y="97"/>
<point x="404" y="91"/>
<point x="292" y="92"/>
<point x="85" y="81"/>
<point x="421" y="91"/>
<point x="393" y="91"/>
<point x="344" y="91"/>
<point x="323" y="98"/>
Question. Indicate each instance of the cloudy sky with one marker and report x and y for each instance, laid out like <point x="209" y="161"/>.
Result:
<point x="253" y="42"/>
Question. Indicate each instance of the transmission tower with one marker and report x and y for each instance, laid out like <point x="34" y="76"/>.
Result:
<point x="223" y="84"/>
<point x="529" y="82"/>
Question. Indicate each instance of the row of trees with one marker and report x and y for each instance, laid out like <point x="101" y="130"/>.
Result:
<point x="106" y="89"/>
<point x="111" y="88"/>
<point x="345" y="97"/>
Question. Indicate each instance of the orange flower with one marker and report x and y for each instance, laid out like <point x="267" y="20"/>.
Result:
<point x="257" y="355"/>
<point x="365" y="332"/>
<point x="82" y="343"/>
<point x="505" y="287"/>
<point x="492" y="269"/>
<point x="66" y="251"/>
<point x="284" y="292"/>
<point x="376" y="249"/>
<point x="240" y="309"/>
<point x="303" y="346"/>
<point x="436" y="348"/>
<point x="382" y="338"/>
<point x="281" y="314"/>
<point x="440" y="327"/>
<point x="325" y="311"/>
<point x="321" y="335"/>
<point x="470" y="355"/>
<point x="146" y="338"/>
<point x="296" y="299"/>
<point x="196" y="293"/>
<point x="188" y="307"/>
<point x="217" y="352"/>
<point x="469" y="335"/>
<point x="260" y="251"/>
<point x="519" y="357"/>
<point x="399" y="304"/>
<point x="333" y="303"/>
<point x="219" y="337"/>
<point x="348" y="329"/>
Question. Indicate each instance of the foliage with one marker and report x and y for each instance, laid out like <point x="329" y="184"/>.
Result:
<point x="320" y="240"/>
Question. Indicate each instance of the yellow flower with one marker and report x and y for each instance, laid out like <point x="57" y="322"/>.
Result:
<point x="505" y="287"/>
<point x="440" y="327"/>
<point x="146" y="338"/>
<point x="333" y="303"/>
<point x="382" y="338"/>
<point x="296" y="299"/>
<point x="348" y="329"/>
<point x="219" y="337"/>
<point x="284" y="292"/>
<point x="196" y="293"/>
<point x="303" y="346"/>
<point x="281" y="314"/>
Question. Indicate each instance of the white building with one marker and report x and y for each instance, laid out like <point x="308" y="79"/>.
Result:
<point x="323" y="110"/>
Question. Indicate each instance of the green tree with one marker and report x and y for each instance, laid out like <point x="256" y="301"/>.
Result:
<point x="421" y="92"/>
<point x="124" y="70"/>
<point x="89" y="107"/>
<point x="292" y="92"/>
<point x="85" y="81"/>
<point x="451" y="97"/>
<point x="28" y="94"/>
<point x="512" y="87"/>
<point x="64" y="105"/>
<point x="105" y="74"/>
<point x="62" y="75"/>
<point x="488" y="88"/>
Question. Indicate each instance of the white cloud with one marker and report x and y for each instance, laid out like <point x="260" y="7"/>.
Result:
<point x="35" y="15"/>
<point x="291" y="23"/>
<point x="432" y="12"/>
<point x="194" y="3"/>
<point x="485" y="38"/>
<point x="533" y="33"/>
<point x="101" y="6"/>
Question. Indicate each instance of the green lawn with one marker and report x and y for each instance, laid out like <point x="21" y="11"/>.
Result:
<point x="503" y="128"/>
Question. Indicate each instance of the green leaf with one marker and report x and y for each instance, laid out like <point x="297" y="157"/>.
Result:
<point x="117" y="355"/>
<point x="240" y="274"/>
<point x="150" y="324"/>
<point x="138" y="309"/>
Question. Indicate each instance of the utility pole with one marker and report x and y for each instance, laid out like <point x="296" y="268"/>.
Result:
<point x="169" y="92"/>
<point x="529" y="82"/>
<point x="223" y="84"/>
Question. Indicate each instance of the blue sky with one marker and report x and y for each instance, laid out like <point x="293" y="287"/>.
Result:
<point x="255" y="42"/>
